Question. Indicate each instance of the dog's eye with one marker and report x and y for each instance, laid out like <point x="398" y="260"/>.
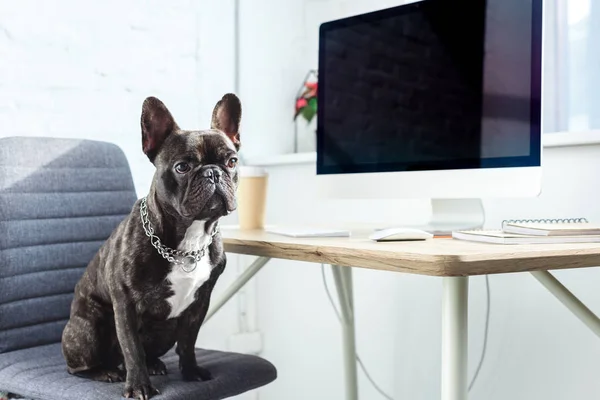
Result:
<point x="232" y="162"/>
<point x="182" y="168"/>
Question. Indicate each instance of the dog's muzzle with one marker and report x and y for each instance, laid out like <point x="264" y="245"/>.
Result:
<point x="212" y="173"/>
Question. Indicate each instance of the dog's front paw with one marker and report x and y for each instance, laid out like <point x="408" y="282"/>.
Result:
<point x="139" y="391"/>
<point x="195" y="373"/>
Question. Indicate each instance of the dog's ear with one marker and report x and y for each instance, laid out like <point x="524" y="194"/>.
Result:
<point x="157" y="124"/>
<point x="227" y="116"/>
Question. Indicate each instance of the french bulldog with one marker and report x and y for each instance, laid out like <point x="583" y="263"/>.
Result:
<point x="149" y="286"/>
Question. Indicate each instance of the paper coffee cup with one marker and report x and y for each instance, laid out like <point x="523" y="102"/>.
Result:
<point x="252" y="197"/>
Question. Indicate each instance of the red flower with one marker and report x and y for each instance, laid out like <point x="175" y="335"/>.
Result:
<point x="311" y="90"/>
<point x="300" y="103"/>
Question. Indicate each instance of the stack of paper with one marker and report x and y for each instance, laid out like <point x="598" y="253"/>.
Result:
<point x="536" y="232"/>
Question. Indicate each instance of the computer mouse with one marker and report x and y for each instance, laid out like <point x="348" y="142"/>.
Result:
<point x="398" y="234"/>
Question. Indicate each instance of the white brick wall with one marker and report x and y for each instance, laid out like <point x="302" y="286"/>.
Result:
<point x="83" y="69"/>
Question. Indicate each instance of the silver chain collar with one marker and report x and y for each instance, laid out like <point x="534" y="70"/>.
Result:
<point x="177" y="257"/>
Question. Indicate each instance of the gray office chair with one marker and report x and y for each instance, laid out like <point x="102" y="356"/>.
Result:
<point x="59" y="200"/>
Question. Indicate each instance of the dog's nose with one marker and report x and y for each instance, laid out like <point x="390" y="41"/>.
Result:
<point x="213" y="174"/>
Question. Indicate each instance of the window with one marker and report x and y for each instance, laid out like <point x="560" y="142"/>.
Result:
<point x="572" y="66"/>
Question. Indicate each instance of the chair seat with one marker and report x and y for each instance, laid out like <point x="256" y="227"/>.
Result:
<point x="40" y="373"/>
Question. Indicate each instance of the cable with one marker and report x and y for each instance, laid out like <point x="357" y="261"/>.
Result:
<point x="360" y="363"/>
<point x="364" y="369"/>
<point x="485" y="331"/>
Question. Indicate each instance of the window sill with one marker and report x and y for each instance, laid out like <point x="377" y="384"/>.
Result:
<point x="558" y="139"/>
<point x="570" y="139"/>
<point x="284" y="159"/>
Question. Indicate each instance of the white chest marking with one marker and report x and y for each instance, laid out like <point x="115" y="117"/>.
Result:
<point x="184" y="284"/>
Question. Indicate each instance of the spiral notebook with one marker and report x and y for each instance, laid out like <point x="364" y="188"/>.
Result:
<point x="540" y="231"/>
<point x="551" y="227"/>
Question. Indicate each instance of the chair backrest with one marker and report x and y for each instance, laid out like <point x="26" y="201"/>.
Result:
<point x="59" y="201"/>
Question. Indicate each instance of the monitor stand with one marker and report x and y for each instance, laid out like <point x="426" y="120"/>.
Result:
<point x="448" y="215"/>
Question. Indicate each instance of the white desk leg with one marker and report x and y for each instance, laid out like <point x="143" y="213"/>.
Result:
<point x="237" y="285"/>
<point x="569" y="300"/>
<point x="454" y="337"/>
<point x="343" y="284"/>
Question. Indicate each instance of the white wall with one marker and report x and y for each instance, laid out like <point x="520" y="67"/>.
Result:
<point x="82" y="70"/>
<point x="537" y="350"/>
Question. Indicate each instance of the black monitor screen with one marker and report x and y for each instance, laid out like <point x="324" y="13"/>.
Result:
<point x="431" y="85"/>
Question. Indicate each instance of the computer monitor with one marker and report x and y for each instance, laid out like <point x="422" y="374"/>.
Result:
<point x="435" y="99"/>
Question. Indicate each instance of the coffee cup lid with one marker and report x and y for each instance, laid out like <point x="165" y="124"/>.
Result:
<point x="250" y="171"/>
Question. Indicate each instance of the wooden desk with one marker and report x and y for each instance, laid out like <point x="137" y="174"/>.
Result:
<point x="452" y="260"/>
<point x="437" y="257"/>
